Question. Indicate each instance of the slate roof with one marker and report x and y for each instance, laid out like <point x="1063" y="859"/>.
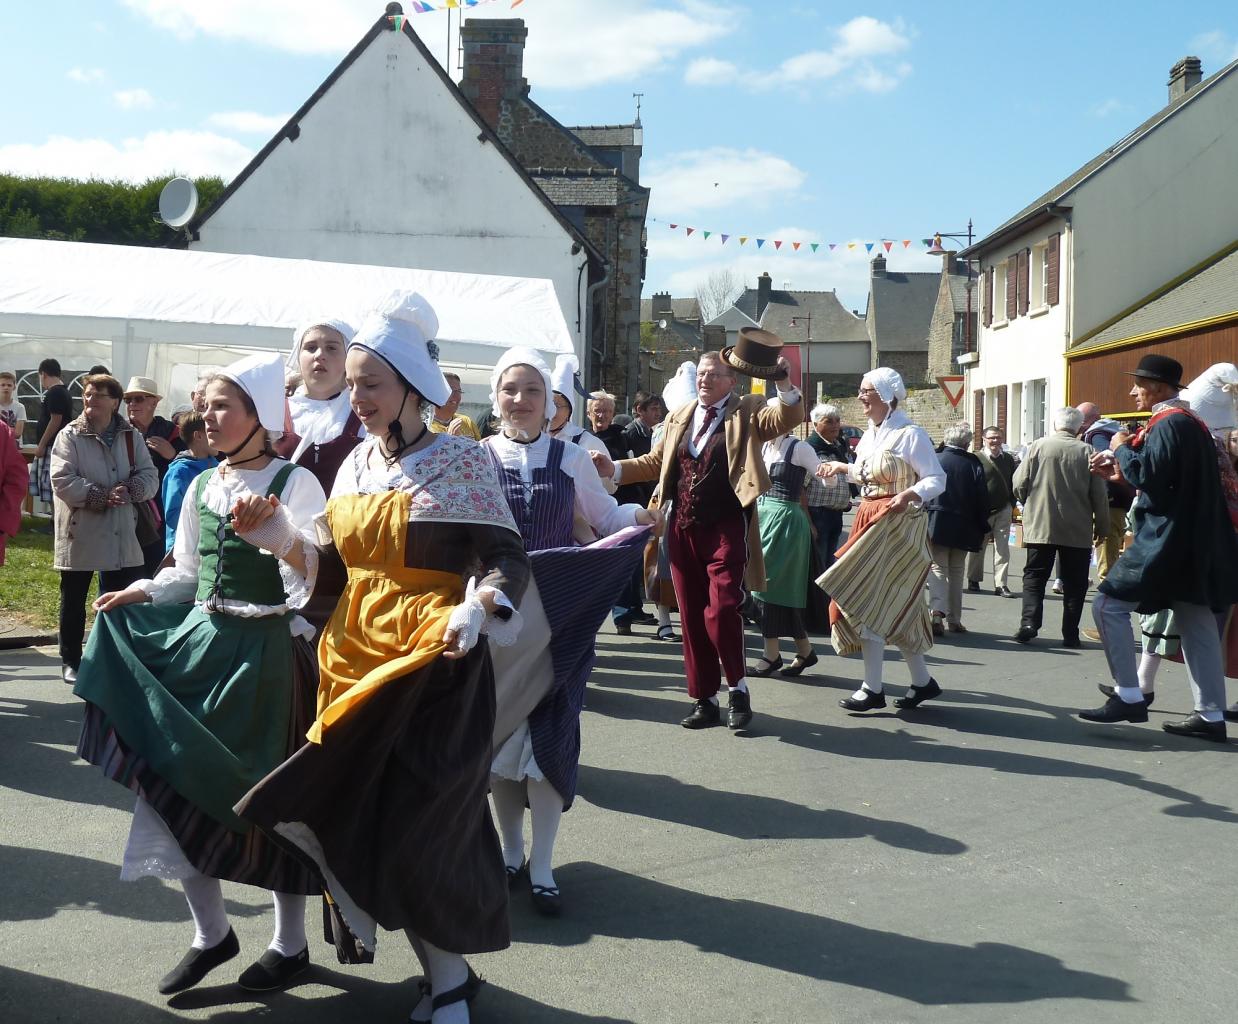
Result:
<point x="576" y="188"/>
<point x="1206" y="294"/>
<point x="681" y="309"/>
<point x="958" y="293"/>
<point x="831" y="320"/>
<point x="900" y="310"/>
<point x="606" y="134"/>
<point x="1067" y="185"/>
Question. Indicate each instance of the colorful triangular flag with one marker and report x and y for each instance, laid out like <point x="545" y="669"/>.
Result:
<point x="760" y="242"/>
<point x="868" y="246"/>
<point x="926" y="241"/>
<point x="833" y="246"/>
<point x="906" y="243"/>
<point x="815" y="246"/>
<point x="724" y="238"/>
<point x="851" y="245"/>
<point x="706" y="234"/>
<point x="888" y="245"/>
<point x="743" y="239"/>
<point x="777" y="243"/>
<point x="397" y="22"/>
<point x="689" y="230"/>
<point x="673" y="226"/>
<point x="796" y="246"/>
<point x="516" y="3"/>
<point x="451" y="3"/>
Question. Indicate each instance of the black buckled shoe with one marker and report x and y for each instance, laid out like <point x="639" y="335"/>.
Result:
<point x="1025" y="635"/>
<point x="515" y="875"/>
<point x="1196" y="725"/>
<point x="871" y="702"/>
<point x="918" y="695"/>
<point x="1109" y="691"/>
<point x="738" y="709"/>
<point x="705" y="713"/>
<point x="273" y="970"/>
<point x="198" y="963"/>
<point x="465" y="993"/>
<point x="766" y="668"/>
<point x="1115" y="709"/>
<point x="546" y="901"/>
<point x="801" y="662"/>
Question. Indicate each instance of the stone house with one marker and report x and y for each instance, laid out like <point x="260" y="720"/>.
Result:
<point x="900" y="311"/>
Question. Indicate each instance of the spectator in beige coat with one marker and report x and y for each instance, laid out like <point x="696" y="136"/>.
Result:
<point x="1065" y="509"/>
<point x="96" y="485"/>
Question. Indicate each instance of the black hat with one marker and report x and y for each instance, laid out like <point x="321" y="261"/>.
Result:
<point x="1162" y="368"/>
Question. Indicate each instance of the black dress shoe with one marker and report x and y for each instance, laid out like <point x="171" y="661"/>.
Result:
<point x="1109" y="691"/>
<point x="1072" y="643"/>
<point x="918" y="695"/>
<point x="273" y="970"/>
<point x="871" y="702"/>
<point x="739" y="709"/>
<point x="514" y="875"/>
<point x="1115" y="709"/>
<point x="801" y="662"/>
<point x="766" y="668"/>
<point x="1025" y="635"/>
<point x="705" y="713"/>
<point x="546" y="901"/>
<point x="69" y="674"/>
<point x="1196" y="725"/>
<point x="973" y="588"/>
<point x="198" y="963"/>
<point x="623" y="628"/>
<point x="1003" y="592"/>
<point x="644" y="619"/>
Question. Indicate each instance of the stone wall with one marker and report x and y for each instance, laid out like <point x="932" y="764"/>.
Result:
<point x="928" y="407"/>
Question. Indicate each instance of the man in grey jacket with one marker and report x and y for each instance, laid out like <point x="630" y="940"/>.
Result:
<point x="1065" y="509"/>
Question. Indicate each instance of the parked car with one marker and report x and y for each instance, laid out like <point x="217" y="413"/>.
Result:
<point x="853" y="435"/>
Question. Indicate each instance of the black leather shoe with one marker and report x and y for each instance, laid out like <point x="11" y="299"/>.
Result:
<point x="623" y="628"/>
<point x="69" y="674"/>
<point x="514" y="875"/>
<point x="272" y="970"/>
<point x="546" y="901"/>
<point x="198" y="963"/>
<point x="1195" y="725"/>
<point x="1115" y="709"/>
<point x="871" y="702"/>
<point x="1072" y="643"/>
<point x="801" y="662"/>
<point x="973" y="588"/>
<point x="918" y="695"/>
<point x="1109" y="691"/>
<point x="644" y="619"/>
<point x="705" y="713"/>
<point x="1025" y="635"/>
<point x="766" y="668"/>
<point x="739" y="709"/>
<point x="1003" y="592"/>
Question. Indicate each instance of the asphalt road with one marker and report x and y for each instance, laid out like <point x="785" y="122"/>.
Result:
<point x="986" y="858"/>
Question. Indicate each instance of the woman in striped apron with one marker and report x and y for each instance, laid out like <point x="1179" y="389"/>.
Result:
<point x="548" y="484"/>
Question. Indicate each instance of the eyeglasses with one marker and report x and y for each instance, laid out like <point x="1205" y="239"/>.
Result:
<point x="867" y="392"/>
<point x="711" y="375"/>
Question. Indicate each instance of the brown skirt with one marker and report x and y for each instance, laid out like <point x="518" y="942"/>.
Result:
<point x="393" y="807"/>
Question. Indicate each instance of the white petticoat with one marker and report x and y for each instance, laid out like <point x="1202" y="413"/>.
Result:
<point x="515" y="758"/>
<point x="152" y="849"/>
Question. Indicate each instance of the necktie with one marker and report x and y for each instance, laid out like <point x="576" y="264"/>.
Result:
<point x="711" y="414"/>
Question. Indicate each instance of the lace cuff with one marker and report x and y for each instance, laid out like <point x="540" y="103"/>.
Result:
<point x="502" y="630"/>
<point x="299" y="588"/>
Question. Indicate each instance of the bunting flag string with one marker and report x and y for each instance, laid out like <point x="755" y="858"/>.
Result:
<point x="396" y="21"/>
<point x="797" y="245"/>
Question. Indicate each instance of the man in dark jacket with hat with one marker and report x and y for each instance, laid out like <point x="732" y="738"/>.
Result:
<point x="958" y="519"/>
<point x="1184" y="555"/>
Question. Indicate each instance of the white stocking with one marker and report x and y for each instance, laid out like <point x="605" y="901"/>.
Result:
<point x="874" y="655"/>
<point x="1149" y="665"/>
<point x="423" y="1010"/>
<point x="206" y="904"/>
<point x="509" y="798"/>
<point x="289" y="938"/>
<point x="447" y="971"/>
<point x="547" y="808"/>
<point x="917" y="666"/>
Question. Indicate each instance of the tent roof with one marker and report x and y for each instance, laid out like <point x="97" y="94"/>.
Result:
<point x="84" y="290"/>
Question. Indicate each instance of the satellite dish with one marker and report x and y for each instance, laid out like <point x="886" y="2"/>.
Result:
<point x="662" y="324"/>
<point x="178" y="202"/>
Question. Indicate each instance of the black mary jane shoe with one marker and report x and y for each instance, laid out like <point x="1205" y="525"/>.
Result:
<point x="1109" y="691"/>
<point x="514" y="875"/>
<point x="668" y="633"/>
<point x="546" y="901"/>
<point x="801" y="662"/>
<point x="871" y="702"/>
<point x="918" y="695"/>
<point x="423" y="987"/>
<point x="198" y="963"/>
<point x="464" y="993"/>
<point x="273" y="971"/>
<point x="766" y="668"/>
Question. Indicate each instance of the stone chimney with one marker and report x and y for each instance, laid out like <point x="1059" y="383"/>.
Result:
<point x="714" y="337"/>
<point x="493" y="64"/>
<point x="879" y="266"/>
<point x="765" y="285"/>
<point x="661" y="305"/>
<point x="1184" y="76"/>
<point x="949" y="263"/>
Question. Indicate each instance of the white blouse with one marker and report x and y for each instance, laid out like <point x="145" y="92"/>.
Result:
<point x="318" y="420"/>
<point x="593" y="504"/>
<point x="302" y="498"/>
<point x="897" y="435"/>
<point x="570" y="433"/>
<point x="802" y="454"/>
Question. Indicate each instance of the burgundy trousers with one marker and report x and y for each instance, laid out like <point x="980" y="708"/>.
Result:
<point x="707" y="569"/>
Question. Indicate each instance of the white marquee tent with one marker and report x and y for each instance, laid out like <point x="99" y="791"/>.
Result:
<point x="172" y="314"/>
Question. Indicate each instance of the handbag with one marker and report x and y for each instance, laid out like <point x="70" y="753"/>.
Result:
<point x="835" y="493"/>
<point x="148" y="522"/>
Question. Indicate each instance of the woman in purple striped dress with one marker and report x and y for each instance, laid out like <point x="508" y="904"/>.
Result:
<point x="548" y="485"/>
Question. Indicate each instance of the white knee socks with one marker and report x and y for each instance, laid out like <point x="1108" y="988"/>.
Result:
<point x="447" y="971"/>
<point x="1149" y="665"/>
<point x="206" y="904"/>
<point x="546" y="806"/>
<point x="289" y="938"/>
<point x="509" y="797"/>
<point x="917" y="666"/>
<point x="873" y="652"/>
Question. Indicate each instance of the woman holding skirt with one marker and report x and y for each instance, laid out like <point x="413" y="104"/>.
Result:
<point x="199" y="681"/>
<point x="388" y="799"/>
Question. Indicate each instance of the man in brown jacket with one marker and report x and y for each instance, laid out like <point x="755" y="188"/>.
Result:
<point x="709" y="465"/>
<point x="1064" y="509"/>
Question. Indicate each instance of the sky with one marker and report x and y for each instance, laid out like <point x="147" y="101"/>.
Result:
<point x="825" y="122"/>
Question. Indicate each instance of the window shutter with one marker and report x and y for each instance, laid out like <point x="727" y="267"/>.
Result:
<point x="1052" y="272"/>
<point x="1001" y="411"/>
<point x="1025" y="266"/>
<point x="1012" y="288"/>
<point x="988" y="297"/>
<point x="978" y="420"/>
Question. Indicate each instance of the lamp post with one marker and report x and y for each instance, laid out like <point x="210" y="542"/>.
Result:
<point x="936" y="249"/>
<point x="806" y="378"/>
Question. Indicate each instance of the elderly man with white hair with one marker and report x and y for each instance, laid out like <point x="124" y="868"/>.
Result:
<point x="875" y="584"/>
<point x="828" y="499"/>
<point x="1065" y="510"/>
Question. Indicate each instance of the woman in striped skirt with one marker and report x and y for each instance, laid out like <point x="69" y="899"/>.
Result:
<point x="548" y="484"/>
<point x="876" y="583"/>
<point x="196" y="695"/>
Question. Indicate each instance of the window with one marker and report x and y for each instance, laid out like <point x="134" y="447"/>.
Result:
<point x="1040" y="276"/>
<point x="999" y="293"/>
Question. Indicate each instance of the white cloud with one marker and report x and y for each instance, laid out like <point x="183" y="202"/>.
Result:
<point x="862" y="56"/>
<point x="1104" y="108"/>
<point x="135" y="159"/>
<point x="709" y="179"/>
<point x="1217" y="45"/>
<point x="85" y="76"/>
<point x="571" y="44"/>
<point x="133" y="99"/>
<point x="248" y="121"/>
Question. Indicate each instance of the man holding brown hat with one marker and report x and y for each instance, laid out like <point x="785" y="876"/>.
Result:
<point x="162" y="438"/>
<point x="709" y="465"/>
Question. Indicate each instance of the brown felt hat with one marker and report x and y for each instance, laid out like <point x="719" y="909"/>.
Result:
<point x="755" y="354"/>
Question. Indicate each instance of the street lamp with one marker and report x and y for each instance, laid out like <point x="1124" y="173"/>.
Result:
<point x="936" y="249"/>
<point x="806" y="380"/>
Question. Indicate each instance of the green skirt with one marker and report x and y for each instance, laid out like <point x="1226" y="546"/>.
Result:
<point x="204" y="698"/>
<point x="786" y="542"/>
